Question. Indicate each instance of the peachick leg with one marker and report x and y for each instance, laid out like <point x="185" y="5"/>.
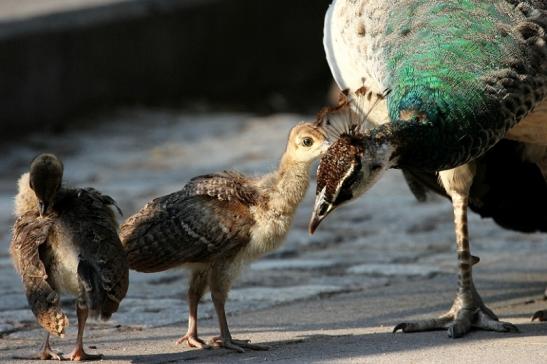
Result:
<point x="78" y="353"/>
<point x="219" y="283"/>
<point x="46" y="353"/>
<point x="198" y="284"/>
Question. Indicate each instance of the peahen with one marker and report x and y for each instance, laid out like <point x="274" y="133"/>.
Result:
<point x="432" y="87"/>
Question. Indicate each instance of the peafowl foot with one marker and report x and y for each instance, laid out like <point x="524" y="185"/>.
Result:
<point x="464" y="315"/>
<point x="236" y="345"/>
<point x="540" y="315"/>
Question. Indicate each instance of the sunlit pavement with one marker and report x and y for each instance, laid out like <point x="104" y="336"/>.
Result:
<point x="330" y="297"/>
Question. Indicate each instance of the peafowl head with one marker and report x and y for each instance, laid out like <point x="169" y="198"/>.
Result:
<point x="46" y="175"/>
<point x="357" y="157"/>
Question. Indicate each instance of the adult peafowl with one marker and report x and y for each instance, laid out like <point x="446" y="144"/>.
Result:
<point x="433" y="87"/>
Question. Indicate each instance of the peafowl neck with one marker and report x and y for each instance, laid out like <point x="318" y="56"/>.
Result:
<point x="426" y="146"/>
<point x="448" y="66"/>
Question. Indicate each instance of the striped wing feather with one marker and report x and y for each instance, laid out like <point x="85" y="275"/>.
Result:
<point x="226" y="186"/>
<point x="30" y="233"/>
<point x="208" y="218"/>
<point x="103" y="268"/>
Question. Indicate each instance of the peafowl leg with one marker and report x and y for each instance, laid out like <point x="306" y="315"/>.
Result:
<point x="198" y="284"/>
<point x="78" y="353"/>
<point x="468" y="310"/>
<point x="220" y="281"/>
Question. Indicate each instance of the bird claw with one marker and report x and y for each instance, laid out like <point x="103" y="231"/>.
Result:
<point x="509" y="327"/>
<point x="458" y="329"/>
<point x="539" y="315"/>
<point x="193" y="342"/>
<point x="42" y="355"/>
<point x="486" y="322"/>
<point x="78" y="354"/>
<point x="459" y="322"/>
<point x="423" y="325"/>
<point x="236" y="345"/>
<point x="48" y="354"/>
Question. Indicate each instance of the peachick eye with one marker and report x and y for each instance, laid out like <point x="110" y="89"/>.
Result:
<point x="307" y="142"/>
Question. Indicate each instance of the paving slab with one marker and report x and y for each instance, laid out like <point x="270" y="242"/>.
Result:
<point x="331" y="297"/>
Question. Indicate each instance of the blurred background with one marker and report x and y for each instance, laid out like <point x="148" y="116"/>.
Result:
<point x="63" y="59"/>
<point x="138" y="96"/>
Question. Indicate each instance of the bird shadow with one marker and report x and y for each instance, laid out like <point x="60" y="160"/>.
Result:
<point x="360" y="345"/>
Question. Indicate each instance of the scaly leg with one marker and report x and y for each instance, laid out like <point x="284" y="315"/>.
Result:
<point x="219" y="281"/>
<point x="468" y="309"/>
<point x="198" y="284"/>
<point x="78" y="353"/>
<point x="46" y="353"/>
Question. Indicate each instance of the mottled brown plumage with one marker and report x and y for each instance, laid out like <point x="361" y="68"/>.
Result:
<point x="65" y="240"/>
<point x="29" y="234"/>
<point x="219" y="221"/>
<point x="154" y="236"/>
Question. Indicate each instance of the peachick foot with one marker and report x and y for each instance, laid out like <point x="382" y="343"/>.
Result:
<point x="78" y="354"/>
<point x="193" y="342"/>
<point x="44" y="354"/>
<point x="237" y="345"/>
<point x="460" y="319"/>
<point x="48" y="354"/>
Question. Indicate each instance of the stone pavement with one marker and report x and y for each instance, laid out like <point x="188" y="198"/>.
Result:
<point x="331" y="297"/>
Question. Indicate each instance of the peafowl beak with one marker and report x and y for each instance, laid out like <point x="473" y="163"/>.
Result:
<point x="325" y="146"/>
<point x="320" y="211"/>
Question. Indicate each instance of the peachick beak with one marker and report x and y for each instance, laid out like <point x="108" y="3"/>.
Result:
<point x="320" y="211"/>
<point x="42" y="207"/>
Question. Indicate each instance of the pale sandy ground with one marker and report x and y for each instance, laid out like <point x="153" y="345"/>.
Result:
<point x="332" y="297"/>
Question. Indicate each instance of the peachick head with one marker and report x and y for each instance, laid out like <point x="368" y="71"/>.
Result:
<point x="307" y="141"/>
<point x="46" y="176"/>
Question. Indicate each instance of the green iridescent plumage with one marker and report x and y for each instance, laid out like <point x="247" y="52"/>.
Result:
<point x="461" y="75"/>
<point x="439" y="57"/>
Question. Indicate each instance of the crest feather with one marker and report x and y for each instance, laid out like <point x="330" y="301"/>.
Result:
<point x="346" y="118"/>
